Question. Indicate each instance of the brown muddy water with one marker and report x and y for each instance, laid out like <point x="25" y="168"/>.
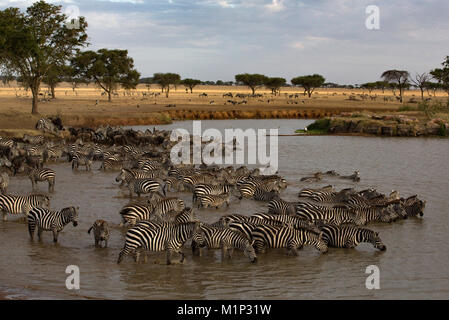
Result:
<point x="415" y="264"/>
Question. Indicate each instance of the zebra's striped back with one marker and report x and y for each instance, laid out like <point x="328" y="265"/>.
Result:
<point x="350" y="236"/>
<point x="286" y="237"/>
<point x="10" y="204"/>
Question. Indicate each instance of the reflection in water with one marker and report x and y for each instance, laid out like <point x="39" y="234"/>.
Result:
<point x="414" y="265"/>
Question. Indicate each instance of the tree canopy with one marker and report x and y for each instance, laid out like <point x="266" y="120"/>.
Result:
<point x="191" y="83"/>
<point x="275" y="84"/>
<point x="399" y="78"/>
<point x="33" y="42"/>
<point x="251" y="80"/>
<point x="442" y="75"/>
<point x="166" y="79"/>
<point x="107" y="68"/>
<point x="309" y="82"/>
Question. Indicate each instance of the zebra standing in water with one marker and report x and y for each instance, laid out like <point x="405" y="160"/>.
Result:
<point x="143" y="186"/>
<point x="54" y="221"/>
<point x="285" y="237"/>
<point x="44" y="174"/>
<point x="127" y="175"/>
<point x="132" y="213"/>
<point x="207" y="189"/>
<point x="169" y="237"/>
<point x="350" y="236"/>
<point x="82" y="159"/>
<point x="336" y="214"/>
<point x="226" y="239"/>
<point x="163" y="207"/>
<point x="281" y="207"/>
<point x="101" y="232"/>
<point x="21" y="204"/>
<point x="216" y="201"/>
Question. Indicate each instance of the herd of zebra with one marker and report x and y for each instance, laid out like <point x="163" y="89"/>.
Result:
<point x="321" y="217"/>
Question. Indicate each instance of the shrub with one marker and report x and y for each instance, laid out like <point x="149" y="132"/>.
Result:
<point x="442" y="130"/>
<point x="320" y="125"/>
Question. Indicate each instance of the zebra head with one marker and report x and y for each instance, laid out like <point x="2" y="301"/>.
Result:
<point x="316" y="240"/>
<point x="71" y="215"/>
<point x="249" y="252"/>
<point x="376" y="241"/>
<point x="121" y="176"/>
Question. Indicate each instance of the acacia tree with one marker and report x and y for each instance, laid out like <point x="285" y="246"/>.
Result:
<point x="442" y="75"/>
<point x="55" y="75"/>
<point x="107" y="68"/>
<point x="165" y="80"/>
<point x="399" y="78"/>
<point x="251" y="80"/>
<point x="309" y="83"/>
<point x="34" y="41"/>
<point x="420" y="81"/>
<point x="275" y="84"/>
<point x="191" y="83"/>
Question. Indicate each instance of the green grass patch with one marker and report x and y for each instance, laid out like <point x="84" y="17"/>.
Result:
<point x="311" y="132"/>
<point x="320" y="125"/>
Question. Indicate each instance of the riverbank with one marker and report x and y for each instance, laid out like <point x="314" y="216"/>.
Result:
<point x="412" y="124"/>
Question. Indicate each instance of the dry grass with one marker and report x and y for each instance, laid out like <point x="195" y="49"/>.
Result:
<point x="80" y="108"/>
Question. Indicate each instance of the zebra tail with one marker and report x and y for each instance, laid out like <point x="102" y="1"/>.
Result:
<point x="88" y="231"/>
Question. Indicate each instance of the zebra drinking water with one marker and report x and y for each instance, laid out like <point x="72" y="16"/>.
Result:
<point x="55" y="221"/>
<point x="209" y="200"/>
<point x="350" y="236"/>
<point x="286" y="237"/>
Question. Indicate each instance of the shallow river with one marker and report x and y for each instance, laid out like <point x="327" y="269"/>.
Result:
<point x="415" y="264"/>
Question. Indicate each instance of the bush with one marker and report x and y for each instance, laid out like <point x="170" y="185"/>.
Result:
<point x="442" y="130"/>
<point x="431" y="109"/>
<point x="320" y="125"/>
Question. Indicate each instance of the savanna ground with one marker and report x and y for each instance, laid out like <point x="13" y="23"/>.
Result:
<point x="86" y="106"/>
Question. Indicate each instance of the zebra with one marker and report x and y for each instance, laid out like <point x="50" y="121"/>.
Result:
<point x="247" y="189"/>
<point x="143" y="186"/>
<point x="413" y="206"/>
<point x="291" y="221"/>
<point x="282" y="207"/>
<point x="101" y="232"/>
<point x="133" y="213"/>
<point x="246" y="228"/>
<point x="44" y="174"/>
<point x="308" y="192"/>
<point x="350" y="236"/>
<point x="331" y="196"/>
<point x="171" y="183"/>
<point x="127" y="175"/>
<point x="21" y="204"/>
<point x="165" y="206"/>
<point x="336" y="214"/>
<point x="82" y="159"/>
<point x="208" y="189"/>
<point x="53" y="153"/>
<point x="266" y="196"/>
<point x="226" y="239"/>
<point x="354" y="177"/>
<point x="286" y="237"/>
<point x="4" y="182"/>
<point x="111" y="163"/>
<point x="169" y="237"/>
<point x="33" y="139"/>
<point x="47" y="126"/>
<point x="54" y="221"/>
<point x="210" y="200"/>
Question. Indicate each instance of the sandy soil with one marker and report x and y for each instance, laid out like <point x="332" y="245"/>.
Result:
<point x="87" y="107"/>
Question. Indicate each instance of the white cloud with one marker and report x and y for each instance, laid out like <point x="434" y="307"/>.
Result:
<point x="275" y="6"/>
<point x="310" y="42"/>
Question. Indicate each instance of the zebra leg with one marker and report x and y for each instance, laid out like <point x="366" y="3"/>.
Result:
<point x="230" y="252"/>
<point x="105" y="243"/>
<point x="292" y="249"/>
<point x="39" y="233"/>
<point x="96" y="242"/>
<point x="168" y="256"/>
<point x="55" y="235"/>
<point x="224" y="251"/>
<point x="4" y="215"/>
<point x="31" y="230"/>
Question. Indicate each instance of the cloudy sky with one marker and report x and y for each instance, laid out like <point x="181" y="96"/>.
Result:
<point x="216" y="39"/>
